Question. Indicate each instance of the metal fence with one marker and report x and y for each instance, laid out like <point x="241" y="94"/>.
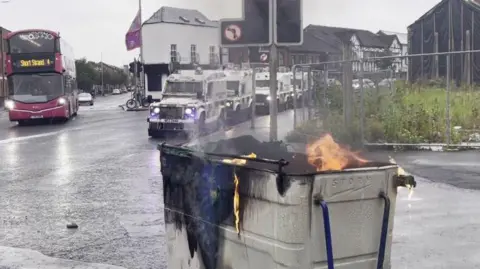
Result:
<point x="358" y="101"/>
<point x="301" y="101"/>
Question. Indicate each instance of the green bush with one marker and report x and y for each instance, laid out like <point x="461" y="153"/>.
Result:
<point x="413" y="113"/>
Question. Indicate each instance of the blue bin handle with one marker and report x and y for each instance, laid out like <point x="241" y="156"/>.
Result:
<point x="327" y="230"/>
<point x="383" y="237"/>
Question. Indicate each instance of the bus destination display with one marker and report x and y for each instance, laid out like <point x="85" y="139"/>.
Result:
<point x="35" y="63"/>
<point x="29" y="64"/>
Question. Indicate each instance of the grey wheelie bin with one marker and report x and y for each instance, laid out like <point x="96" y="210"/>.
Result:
<point x="225" y="209"/>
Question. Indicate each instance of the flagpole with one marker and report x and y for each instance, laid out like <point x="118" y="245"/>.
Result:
<point x="142" y="75"/>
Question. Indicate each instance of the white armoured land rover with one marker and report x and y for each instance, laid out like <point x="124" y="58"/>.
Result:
<point x="300" y="83"/>
<point x="262" y="91"/>
<point x="239" y="100"/>
<point x="193" y="102"/>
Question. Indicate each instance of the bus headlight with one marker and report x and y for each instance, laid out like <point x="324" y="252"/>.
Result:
<point x="156" y="110"/>
<point x="9" y="104"/>
<point x="189" y="111"/>
<point x="62" y="101"/>
<point x="228" y="104"/>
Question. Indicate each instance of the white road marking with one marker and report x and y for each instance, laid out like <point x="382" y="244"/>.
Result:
<point x="27" y="258"/>
<point x="30" y="137"/>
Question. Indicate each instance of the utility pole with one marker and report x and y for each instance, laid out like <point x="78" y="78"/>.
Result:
<point x="101" y="64"/>
<point x="273" y="93"/>
<point x="135" y="74"/>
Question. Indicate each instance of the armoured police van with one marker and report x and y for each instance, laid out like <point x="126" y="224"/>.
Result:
<point x="239" y="99"/>
<point x="193" y="103"/>
<point x="262" y="92"/>
<point x="300" y="83"/>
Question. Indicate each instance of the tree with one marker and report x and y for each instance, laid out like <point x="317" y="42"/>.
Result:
<point x="90" y="73"/>
<point x="85" y="75"/>
<point x="385" y="63"/>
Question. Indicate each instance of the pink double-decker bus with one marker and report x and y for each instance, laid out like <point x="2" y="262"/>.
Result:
<point x="41" y="75"/>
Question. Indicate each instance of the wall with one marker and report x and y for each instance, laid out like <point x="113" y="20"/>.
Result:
<point x="158" y="39"/>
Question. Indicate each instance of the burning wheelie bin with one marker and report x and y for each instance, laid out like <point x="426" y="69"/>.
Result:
<point x="240" y="203"/>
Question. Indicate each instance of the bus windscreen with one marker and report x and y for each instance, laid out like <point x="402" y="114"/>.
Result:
<point x="35" y="88"/>
<point x="32" y="42"/>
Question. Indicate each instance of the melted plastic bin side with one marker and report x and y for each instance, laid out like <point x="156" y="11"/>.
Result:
<point x="280" y="226"/>
<point x="198" y="196"/>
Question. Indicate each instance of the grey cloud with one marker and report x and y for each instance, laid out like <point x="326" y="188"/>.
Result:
<point x="95" y="27"/>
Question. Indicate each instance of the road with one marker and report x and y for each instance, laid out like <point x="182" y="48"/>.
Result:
<point x="101" y="171"/>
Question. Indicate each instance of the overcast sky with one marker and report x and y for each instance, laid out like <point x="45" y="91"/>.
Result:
<point x="96" y="27"/>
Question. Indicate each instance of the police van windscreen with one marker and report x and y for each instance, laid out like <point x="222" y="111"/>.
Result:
<point x="262" y="83"/>
<point x="183" y="87"/>
<point x="297" y="82"/>
<point x="233" y="85"/>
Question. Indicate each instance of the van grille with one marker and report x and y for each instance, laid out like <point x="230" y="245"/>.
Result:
<point x="171" y="113"/>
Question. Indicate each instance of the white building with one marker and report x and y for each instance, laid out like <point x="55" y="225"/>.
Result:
<point x="176" y="37"/>
<point x="403" y="39"/>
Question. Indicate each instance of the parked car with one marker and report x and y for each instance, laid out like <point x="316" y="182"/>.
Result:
<point x="388" y="82"/>
<point x="367" y="84"/>
<point x="85" y="98"/>
<point x="116" y="91"/>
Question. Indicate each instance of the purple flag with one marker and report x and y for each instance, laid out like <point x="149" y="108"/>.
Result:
<point x="133" y="38"/>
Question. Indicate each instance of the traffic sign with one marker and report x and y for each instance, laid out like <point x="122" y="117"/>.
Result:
<point x="233" y="32"/>
<point x="253" y="29"/>
<point x="288" y="16"/>
<point x="263" y="57"/>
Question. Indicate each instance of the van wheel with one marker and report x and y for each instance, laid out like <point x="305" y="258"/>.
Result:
<point x="201" y="125"/>
<point x="221" y="121"/>
<point x="290" y="103"/>
<point x="279" y="106"/>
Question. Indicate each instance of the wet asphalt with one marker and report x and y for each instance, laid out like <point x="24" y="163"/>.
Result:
<point x="101" y="171"/>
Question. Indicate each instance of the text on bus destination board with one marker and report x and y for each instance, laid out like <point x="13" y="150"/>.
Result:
<point x="35" y="63"/>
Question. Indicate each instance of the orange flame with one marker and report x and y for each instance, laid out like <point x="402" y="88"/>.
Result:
<point x="326" y="155"/>
<point x="236" y="195"/>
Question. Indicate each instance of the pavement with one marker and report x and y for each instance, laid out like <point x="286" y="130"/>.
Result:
<point x="101" y="171"/>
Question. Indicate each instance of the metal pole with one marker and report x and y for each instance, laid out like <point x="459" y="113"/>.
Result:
<point x="273" y="93"/>
<point x="390" y="80"/>
<point x="448" y="102"/>
<point x="303" y="95"/>
<point x="254" y="98"/>
<point x="294" y="102"/>
<point x="310" y="93"/>
<point x="325" y="86"/>
<point x="101" y="64"/>
<point x="135" y="74"/>
<point x="142" y="75"/>
<point x="362" y="101"/>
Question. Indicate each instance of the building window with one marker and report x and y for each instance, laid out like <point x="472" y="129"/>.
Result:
<point x="281" y="61"/>
<point x="193" y="54"/>
<point x="212" y="55"/>
<point x="173" y="53"/>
